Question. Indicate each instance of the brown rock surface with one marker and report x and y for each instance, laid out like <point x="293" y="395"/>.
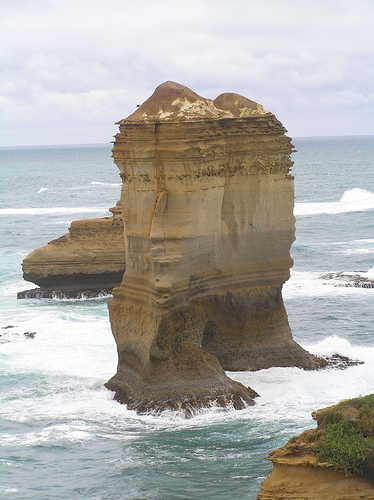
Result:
<point x="307" y="480"/>
<point x="207" y="203"/>
<point x="91" y="255"/>
<point x="298" y="474"/>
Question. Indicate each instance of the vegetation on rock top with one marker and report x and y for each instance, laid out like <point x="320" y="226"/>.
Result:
<point x="348" y="438"/>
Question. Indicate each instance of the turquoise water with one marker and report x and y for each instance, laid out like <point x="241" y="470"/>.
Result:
<point x="63" y="436"/>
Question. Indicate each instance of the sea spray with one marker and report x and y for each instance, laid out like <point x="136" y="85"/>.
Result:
<point x="353" y="200"/>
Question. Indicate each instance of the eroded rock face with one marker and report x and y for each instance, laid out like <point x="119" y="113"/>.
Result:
<point x="90" y="258"/>
<point x="299" y="472"/>
<point x="297" y="478"/>
<point x="207" y="204"/>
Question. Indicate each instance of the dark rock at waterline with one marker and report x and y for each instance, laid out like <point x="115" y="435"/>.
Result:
<point x="46" y="293"/>
<point x="10" y="334"/>
<point x="29" y="335"/>
<point x="340" y="362"/>
<point x="188" y="406"/>
<point x="349" y="279"/>
<point x="335" y="361"/>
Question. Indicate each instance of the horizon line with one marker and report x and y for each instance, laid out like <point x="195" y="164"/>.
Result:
<point x="112" y="142"/>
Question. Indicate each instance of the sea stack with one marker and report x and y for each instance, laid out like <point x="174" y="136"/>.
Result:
<point x="207" y="204"/>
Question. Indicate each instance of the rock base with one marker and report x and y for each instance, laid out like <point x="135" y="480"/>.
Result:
<point x="309" y="482"/>
<point x="46" y="293"/>
<point x="189" y="406"/>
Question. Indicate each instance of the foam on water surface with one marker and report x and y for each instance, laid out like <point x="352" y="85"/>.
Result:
<point x="353" y="200"/>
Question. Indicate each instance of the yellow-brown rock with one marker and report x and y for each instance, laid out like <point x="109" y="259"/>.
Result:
<point x="299" y="472"/>
<point x="91" y="255"/>
<point x="207" y="203"/>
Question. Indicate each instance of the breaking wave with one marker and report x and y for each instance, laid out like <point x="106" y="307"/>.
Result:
<point x="353" y="200"/>
<point x="369" y="274"/>
<point x="111" y="184"/>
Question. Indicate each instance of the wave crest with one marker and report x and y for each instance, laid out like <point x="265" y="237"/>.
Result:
<point x="353" y="200"/>
<point x="110" y="184"/>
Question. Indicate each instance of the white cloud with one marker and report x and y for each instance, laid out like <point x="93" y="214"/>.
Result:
<point x="78" y="64"/>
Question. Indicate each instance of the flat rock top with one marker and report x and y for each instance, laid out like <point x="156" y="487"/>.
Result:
<point x="172" y="101"/>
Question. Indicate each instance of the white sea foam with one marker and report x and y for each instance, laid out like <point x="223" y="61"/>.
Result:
<point x="53" y="210"/>
<point x="43" y="190"/>
<point x="294" y="393"/>
<point x="73" y="354"/>
<point x="369" y="274"/>
<point x="109" y="184"/>
<point x="310" y="284"/>
<point x="357" y="251"/>
<point x="64" y="222"/>
<point x="364" y="241"/>
<point x="353" y="200"/>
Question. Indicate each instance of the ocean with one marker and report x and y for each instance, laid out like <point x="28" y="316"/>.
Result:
<point x="62" y="434"/>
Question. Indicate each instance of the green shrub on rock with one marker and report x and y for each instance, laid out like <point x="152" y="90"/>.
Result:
<point x="348" y="442"/>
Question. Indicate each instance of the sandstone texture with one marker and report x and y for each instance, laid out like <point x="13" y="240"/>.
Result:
<point x="300" y="472"/>
<point x="207" y="204"/>
<point x="91" y="258"/>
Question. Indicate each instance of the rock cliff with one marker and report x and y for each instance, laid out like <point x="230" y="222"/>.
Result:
<point x="207" y="203"/>
<point x="90" y="258"/>
<point x="334" y="461"/>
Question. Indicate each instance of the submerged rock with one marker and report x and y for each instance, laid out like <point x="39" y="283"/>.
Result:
<point x="11" y="334"/>
<point x="334" y="461"/>
<point x="340" y="362"/>
<point x="357" y="280"/>
<point x="80" y="292"/>
<point x="207" y="204"/>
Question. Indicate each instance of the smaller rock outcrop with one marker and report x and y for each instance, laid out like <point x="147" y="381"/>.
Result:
<point x="11" y="333"/>
<point x="356" y="279"/>
<point x="87" y="262"/>
<point x="334" y="461"/>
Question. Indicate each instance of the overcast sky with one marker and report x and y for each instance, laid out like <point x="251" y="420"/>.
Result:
<point x="72" y="68"/>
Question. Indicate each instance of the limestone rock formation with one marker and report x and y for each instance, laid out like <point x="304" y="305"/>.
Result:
<point x="89" y="259"/>
<point x="300" y="474"/>
<point x="207" y="203"/>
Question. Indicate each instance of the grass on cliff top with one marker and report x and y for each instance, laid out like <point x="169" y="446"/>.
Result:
<point x="348" y="442"/>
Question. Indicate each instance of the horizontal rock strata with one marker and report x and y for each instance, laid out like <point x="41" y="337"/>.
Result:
<point x="298" y="472"/>
<point x="87" y="262"/>
<point x="207" y="203"/>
